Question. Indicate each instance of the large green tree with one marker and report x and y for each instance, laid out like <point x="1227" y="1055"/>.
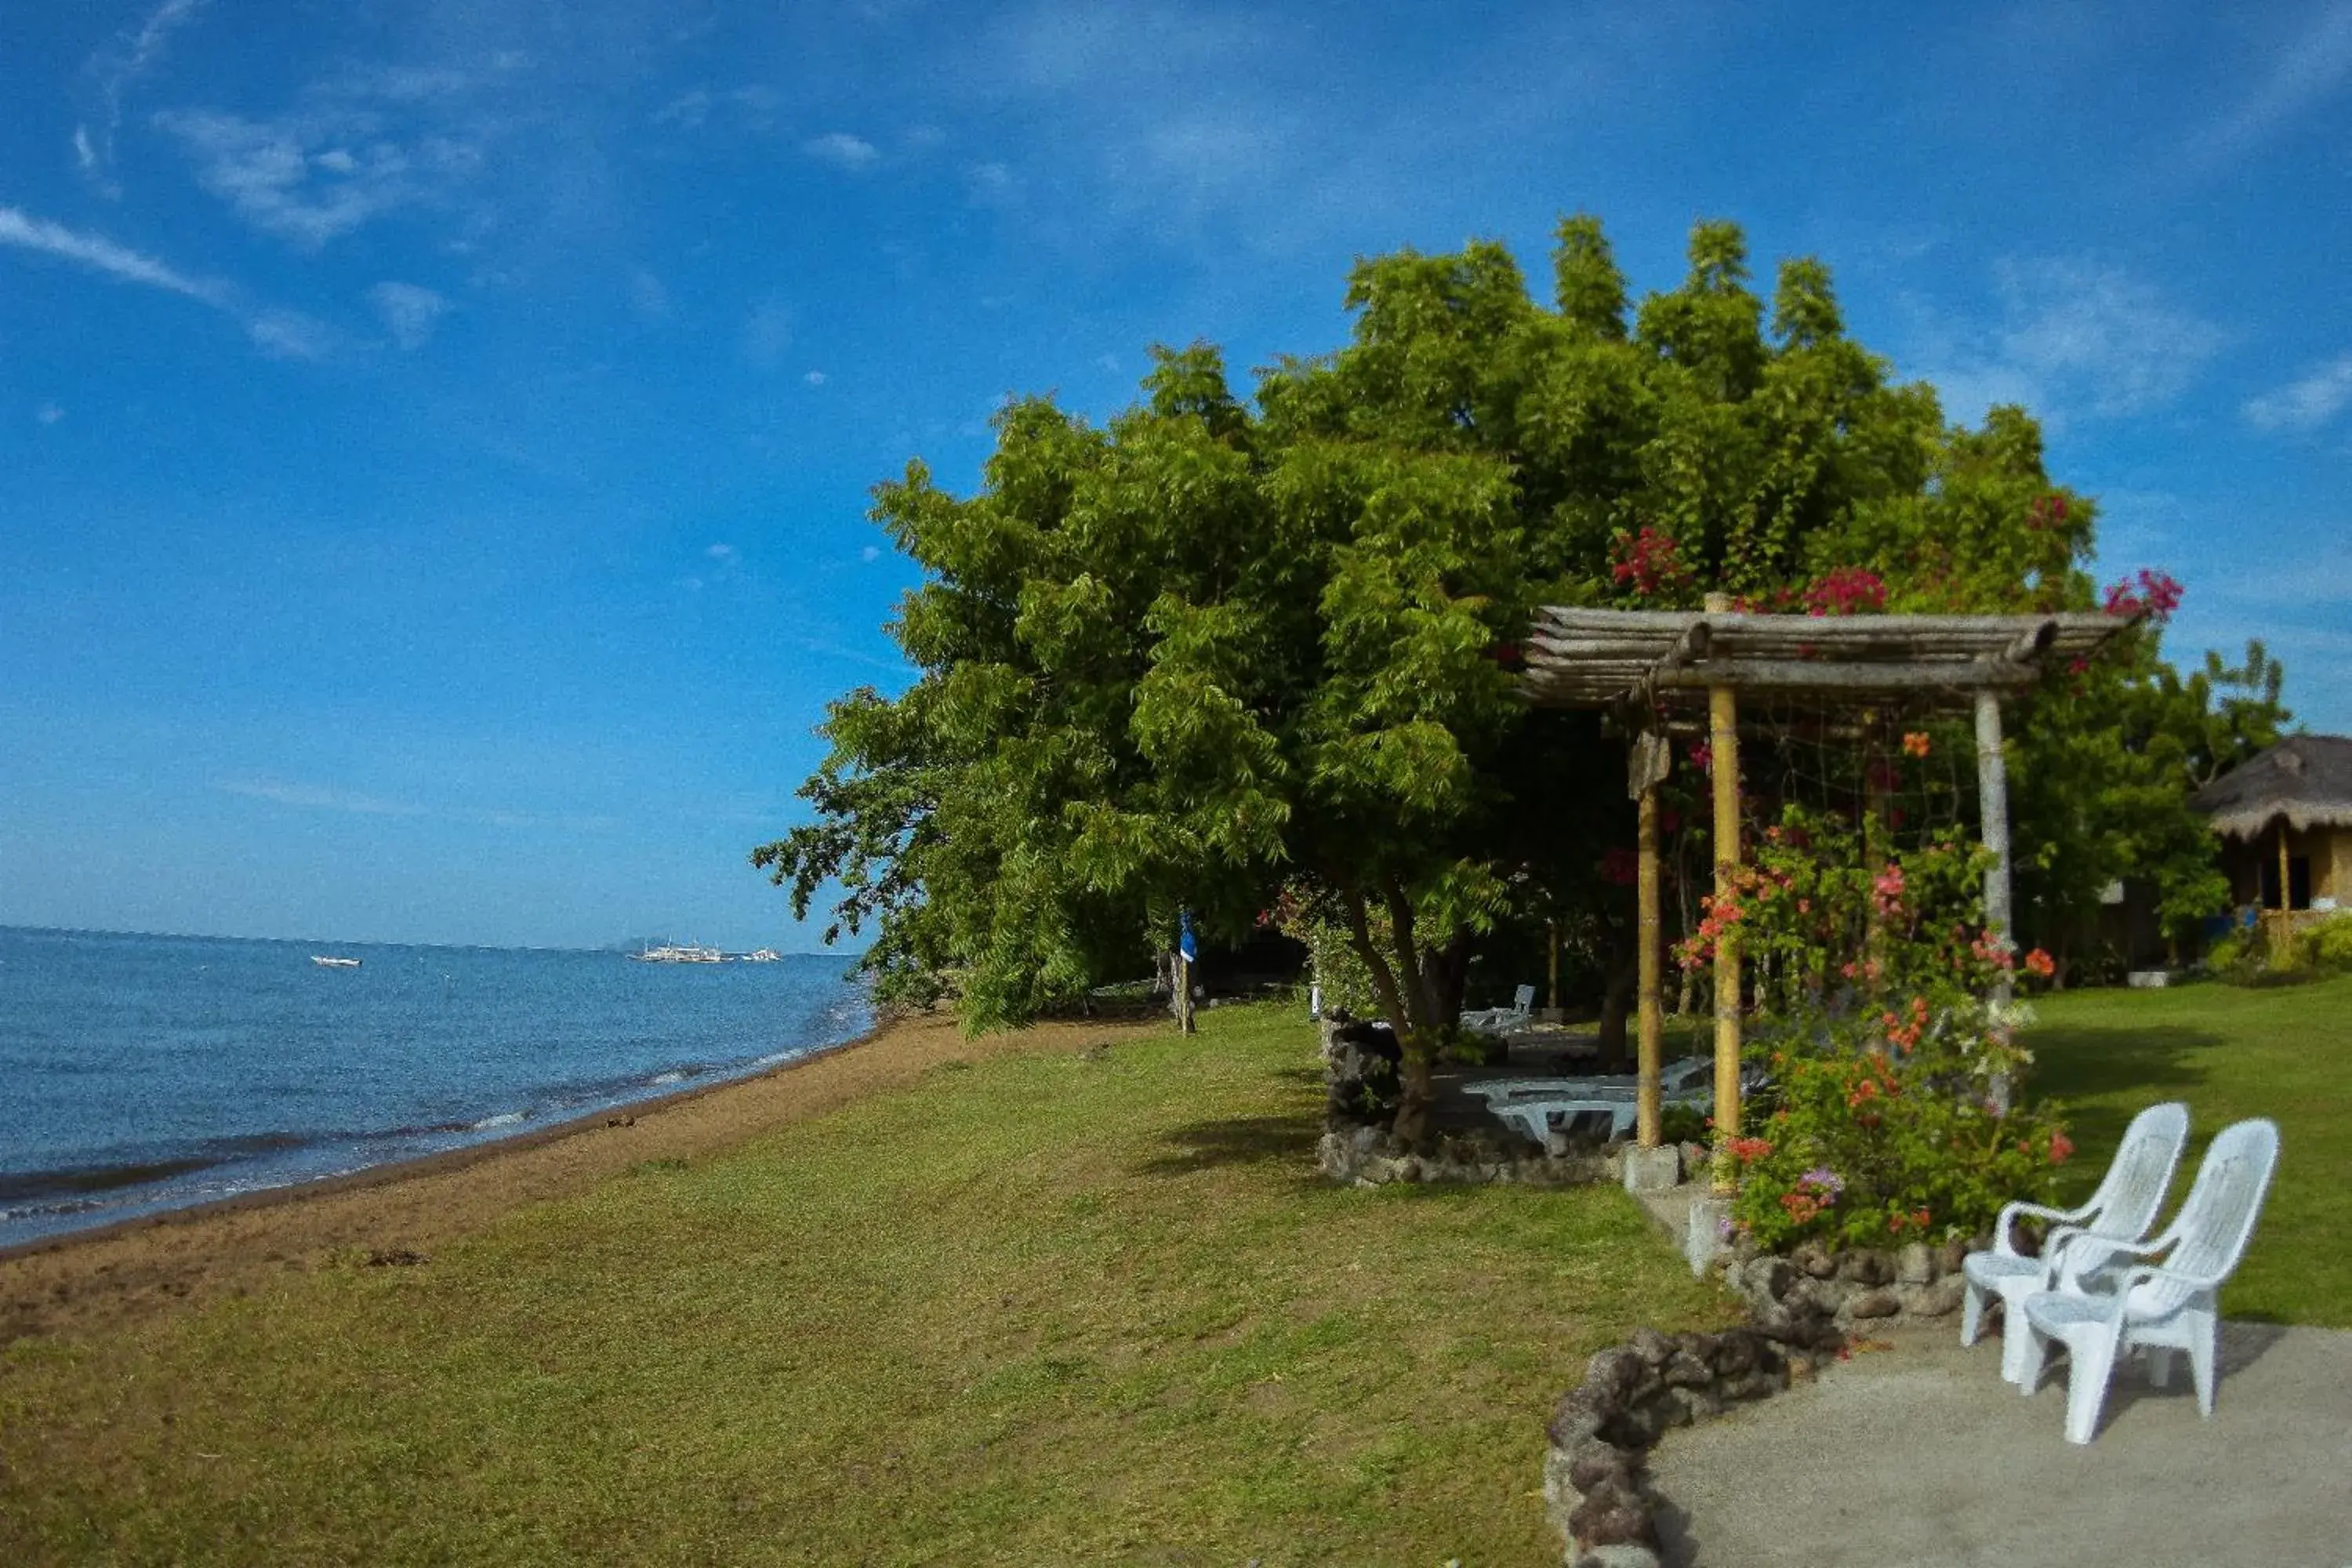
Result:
<point x="1217" y="647"/>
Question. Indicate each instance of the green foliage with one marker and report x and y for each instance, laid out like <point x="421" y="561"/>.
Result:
<point x="2107" y="760"/>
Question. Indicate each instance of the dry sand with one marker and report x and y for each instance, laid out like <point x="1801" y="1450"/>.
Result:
<point x="103" y="1278"/>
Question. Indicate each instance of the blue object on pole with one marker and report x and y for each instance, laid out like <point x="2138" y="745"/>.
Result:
<point x="1184" y="944"/>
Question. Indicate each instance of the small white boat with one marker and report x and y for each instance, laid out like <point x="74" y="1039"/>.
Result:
<point x="765" y="955"/>
<point x="325" y="961"/>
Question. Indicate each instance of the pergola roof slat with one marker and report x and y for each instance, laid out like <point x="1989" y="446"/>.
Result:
<point x="1589" y="658"/>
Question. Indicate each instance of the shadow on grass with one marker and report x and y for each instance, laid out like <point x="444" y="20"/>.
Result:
<point x="2136" y="1067"/>
<point x="1240" y="1141"/>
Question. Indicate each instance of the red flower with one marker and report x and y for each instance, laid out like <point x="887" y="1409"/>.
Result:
<point x="2041" y="964"/>
<point x="1649" y="562"/>
<point x="2062" y="1148"/>
<point x="1845" y="590"/>
<point x="1915" y="744"/>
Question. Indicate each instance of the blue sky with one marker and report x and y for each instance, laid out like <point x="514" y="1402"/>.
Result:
<point x="435" y="436"/>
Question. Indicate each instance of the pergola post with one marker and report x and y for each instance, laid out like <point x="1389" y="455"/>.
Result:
<point x="1992" y="811"/>
<point x="1648" y="1115"/>
<point x="1723" y="752"/>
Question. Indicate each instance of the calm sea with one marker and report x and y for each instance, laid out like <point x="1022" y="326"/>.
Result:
<point x="138" y="1073"/>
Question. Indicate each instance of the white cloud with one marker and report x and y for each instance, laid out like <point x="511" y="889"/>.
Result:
<point x="267" y="174"/>
<point x="409" y="311"/>
<point x="767" y="333"/>
<point x="49" y="414"/>
<point x="355" y="146"/>
<point x="723" y="554"/>
<point x="114" y="68"/>
<point x="870" y="553"/>
<point x="283" y="334"/>
<point x="2074" y="338"/>
<point x="854" y="154"/>
<point x="90" y="250"/>
<point x="314" y="797"/>
<point x="991" y="186"/>
<point x="815" y="378"/>
<point x="647" y="296"/>
<point x="2307" y="403"/>
<point x="2310" y="69"/>
<point x="686" y="111"/>
<point x="289" y="334"/>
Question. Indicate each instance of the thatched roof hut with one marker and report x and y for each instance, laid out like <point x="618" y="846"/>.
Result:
<point x="2286" y="821"/>
<point x="2307" y="779"/>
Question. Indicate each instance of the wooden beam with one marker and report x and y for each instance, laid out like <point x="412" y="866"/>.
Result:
<point x="1857" y="675"/>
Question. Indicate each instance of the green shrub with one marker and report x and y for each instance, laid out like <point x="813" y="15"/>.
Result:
<point x="1864" y="1151"/>
<point x="2328" y="944"/>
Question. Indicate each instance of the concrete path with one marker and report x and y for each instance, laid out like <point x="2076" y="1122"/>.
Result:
<point x="1920" y="1456"/>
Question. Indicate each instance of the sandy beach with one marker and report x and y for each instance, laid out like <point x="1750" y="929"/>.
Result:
<point x="119" y="1274"/>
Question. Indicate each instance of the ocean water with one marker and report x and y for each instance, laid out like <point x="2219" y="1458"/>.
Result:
<point x="140" y="1073"/>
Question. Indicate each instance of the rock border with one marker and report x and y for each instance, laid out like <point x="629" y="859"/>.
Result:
<point x="1802" y="1308"/>
<point x="1373" y="1156"/>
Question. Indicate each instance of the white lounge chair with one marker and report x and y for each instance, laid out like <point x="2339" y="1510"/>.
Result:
<point x="1503" y="1020"/>
<point x="2161" y="1308"/>
<point x="2122" y="1208"/>
<point x="1689" y="1082"/>
<point x="1676" y="1076"/>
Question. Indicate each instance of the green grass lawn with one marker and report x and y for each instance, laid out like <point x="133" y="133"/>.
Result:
<point x="1046" y="1309"/>
<point x="2230" y="1053"/>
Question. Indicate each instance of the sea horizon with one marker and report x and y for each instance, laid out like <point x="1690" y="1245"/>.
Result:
<point x="152" y="1071"/>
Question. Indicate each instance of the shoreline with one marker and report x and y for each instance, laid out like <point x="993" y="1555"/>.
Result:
<point x="138" y="1267"/>
<point x="620" y="1113"/>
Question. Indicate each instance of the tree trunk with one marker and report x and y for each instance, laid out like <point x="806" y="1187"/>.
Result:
<point x="1616" y="1006"/>
<point x="1416" y="1046"/>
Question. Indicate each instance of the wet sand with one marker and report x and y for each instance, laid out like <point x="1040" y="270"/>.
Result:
<point x="101" y="1279"/>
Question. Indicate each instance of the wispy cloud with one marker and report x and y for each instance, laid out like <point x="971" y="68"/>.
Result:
<point x="854" y="154"/>
<point x="314" y="797"/>
<point x="49" y="414"/>
<point x="2307" y="403"/>
<point x="768" y="333"/>
<point x="2310" y="69"/>
<point x="647" y="296"/>
<point x="290" y="334"/>
<point x="283" y="334"/>
<point x="2076" y="338"/>
<point x="113" y="70"/>
<point x="103" y="255"/>
<point x="409" y="311"/>
<point x="355" y="147"/>
<point x="352" y="803"/>
<point x="815" y="378"/>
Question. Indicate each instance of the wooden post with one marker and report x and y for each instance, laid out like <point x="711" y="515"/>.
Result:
<point x="2279" y="928"/>
<point x="1551" y="931"/>
<point x="1992" y="811"/>
<point x="1723" y="745"/>
<point x="1647" y="1111"/>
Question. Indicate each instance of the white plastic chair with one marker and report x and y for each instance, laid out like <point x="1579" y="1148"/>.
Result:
<point x="2122" y="1208"/>
<point x="2162" y="1308"/>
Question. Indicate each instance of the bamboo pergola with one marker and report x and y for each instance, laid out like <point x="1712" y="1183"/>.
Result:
<point x="1673" y="672"/>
